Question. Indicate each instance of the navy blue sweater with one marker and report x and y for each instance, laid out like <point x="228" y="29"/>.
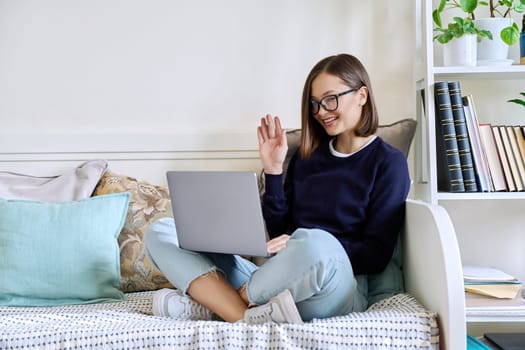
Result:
<point x="359" y="199"/>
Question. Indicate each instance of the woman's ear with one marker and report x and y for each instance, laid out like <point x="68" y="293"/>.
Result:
<point x="363" y="95"/>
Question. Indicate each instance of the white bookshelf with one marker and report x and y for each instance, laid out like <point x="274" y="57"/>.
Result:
<point x="490" y="226"/>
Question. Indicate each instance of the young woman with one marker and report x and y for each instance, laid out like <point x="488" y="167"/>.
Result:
<point x="334" y="219"/>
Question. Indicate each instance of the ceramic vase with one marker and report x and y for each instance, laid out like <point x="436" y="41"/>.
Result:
<point x="461" y="51"/>
<point x="495" y="50"/>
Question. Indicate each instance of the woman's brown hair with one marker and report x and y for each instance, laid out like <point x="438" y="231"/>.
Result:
<point x="353" y="74"/>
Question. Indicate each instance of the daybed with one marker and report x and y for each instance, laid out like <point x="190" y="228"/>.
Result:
<point x="428" y="314"/>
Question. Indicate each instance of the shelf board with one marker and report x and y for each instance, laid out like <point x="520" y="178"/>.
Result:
<point x="491" y="313"/>
<point x="481" y="72"/>
<point x="517" y="315"/>
<point x="446" y="196"/>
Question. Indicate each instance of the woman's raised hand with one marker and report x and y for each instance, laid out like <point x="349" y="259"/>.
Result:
<point x="272" y="144"/>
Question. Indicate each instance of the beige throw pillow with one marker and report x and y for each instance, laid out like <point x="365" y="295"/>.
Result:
<point x="147" y="204"/>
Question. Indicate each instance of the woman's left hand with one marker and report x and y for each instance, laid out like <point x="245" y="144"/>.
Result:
<point x="276" y="244"/>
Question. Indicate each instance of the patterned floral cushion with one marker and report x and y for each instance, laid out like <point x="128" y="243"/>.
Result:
<point x="147" y="204"/>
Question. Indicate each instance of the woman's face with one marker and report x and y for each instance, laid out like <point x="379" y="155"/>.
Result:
<point x="324" y="89"/>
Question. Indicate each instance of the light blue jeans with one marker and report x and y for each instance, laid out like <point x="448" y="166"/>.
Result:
<point x="313" y="266"/>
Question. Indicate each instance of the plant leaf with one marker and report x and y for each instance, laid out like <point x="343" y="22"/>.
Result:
<point x="437" y="18"/>
<point x="459" y="21"/>
<point x="517" y="101"/>
<point x="510" y="35"/>
<point x="468" y="6"/>
<point x="442" y="4"/>
<point x="485" y="33"/>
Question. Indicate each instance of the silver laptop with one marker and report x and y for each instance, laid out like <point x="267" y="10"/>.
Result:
<point x="218" y="212"/>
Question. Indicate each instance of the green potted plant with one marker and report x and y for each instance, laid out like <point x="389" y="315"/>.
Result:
<point x="459" y="37"/>
<point x="505" y="31"/>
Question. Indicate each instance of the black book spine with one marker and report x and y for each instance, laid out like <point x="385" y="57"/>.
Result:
<point x="462" y="137"/>
<point x="450" y="177"/>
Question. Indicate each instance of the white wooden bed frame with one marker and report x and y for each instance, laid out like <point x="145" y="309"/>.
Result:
<point x="431" y="255"/>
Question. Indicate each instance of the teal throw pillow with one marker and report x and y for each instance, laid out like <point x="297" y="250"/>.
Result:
<point x="61" y="253"/>
<point x="388" y="282"/>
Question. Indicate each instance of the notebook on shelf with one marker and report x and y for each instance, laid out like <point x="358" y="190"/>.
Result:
<point x="477" y="305"/>
<point x="486" y="274"/>
<point x="476" y="344"/>
<point x="474" y="300"/>
<point x="507" y="341"/>
<point x="491" y="282"/>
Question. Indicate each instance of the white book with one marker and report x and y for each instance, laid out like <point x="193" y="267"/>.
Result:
<point x="493" y="161"/>
<point x="478" y="154"/>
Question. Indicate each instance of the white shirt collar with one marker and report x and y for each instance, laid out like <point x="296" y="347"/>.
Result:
<point x="345" y="155"/>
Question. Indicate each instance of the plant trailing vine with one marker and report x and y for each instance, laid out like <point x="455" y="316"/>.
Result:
<point x="504" y="8"/>
<point x="460" y="25"/>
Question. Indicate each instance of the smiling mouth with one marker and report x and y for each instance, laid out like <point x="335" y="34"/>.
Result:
<point x="329" y="120"/>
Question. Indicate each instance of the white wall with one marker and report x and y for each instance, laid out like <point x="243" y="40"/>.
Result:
<point x="181" y="67"/>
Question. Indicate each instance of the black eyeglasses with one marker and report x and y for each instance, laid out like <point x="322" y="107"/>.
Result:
<point x="329" y="102"/>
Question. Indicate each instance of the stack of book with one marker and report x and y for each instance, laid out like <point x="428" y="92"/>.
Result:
<point x="492" y="292"/>
<point x="473" y="156"/>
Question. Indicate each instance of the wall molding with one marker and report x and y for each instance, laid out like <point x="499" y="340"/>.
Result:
<point x="137" y="155"/>
<point x="125" y="143"/>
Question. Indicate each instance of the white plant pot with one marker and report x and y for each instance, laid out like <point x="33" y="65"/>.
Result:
<point x="461" y="51"/>
<point x="490" y="51"/>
